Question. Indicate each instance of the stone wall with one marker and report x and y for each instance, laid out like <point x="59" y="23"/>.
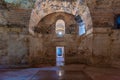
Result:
<point x="13" y="36"/>
<point x="19" y="17"/>
<point x="14" y="46"/>
<point x="105" y="37"/>
<point x="106" y="46"/>
<point x="43" y="46"/>
<point x="99" y="46"/>
<point x="44" y="8"/>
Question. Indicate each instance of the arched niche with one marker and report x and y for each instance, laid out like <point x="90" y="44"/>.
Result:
<point x="60" y="28"/>
<point x="44" y="8"/>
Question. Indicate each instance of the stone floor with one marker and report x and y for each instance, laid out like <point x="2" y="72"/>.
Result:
<point x="72" y="72"/>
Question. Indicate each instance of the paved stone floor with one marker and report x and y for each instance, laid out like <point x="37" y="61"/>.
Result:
<point x="72" y="72"/>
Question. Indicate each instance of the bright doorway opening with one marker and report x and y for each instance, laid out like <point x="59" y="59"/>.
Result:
<point x="59" y="56"/>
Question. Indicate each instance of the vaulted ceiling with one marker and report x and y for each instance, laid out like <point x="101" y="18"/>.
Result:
<point x="102" y="11"/>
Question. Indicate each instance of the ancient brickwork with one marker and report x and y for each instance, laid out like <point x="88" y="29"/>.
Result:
<point x="105" y="39"/>
<point x="14" y="45"/>
<point x="18" y="17"/>
<point x="98" y="46"/>
<point x="13" y="36"/>
<point x="43" y="8"/>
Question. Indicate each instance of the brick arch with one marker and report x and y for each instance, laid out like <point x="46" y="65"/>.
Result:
<point x="49" y="21"/>
<point x="44" y="8"/>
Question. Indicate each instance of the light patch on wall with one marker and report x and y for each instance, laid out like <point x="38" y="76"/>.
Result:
<point x="12" y="1"/>
<point x="22" y="3"/>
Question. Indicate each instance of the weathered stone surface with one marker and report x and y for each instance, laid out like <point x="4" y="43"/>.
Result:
<point x="24" y="4"/>
<point x="15" y="17"/>
<point x="98" y="46"/>
<point x="44" y="8"/>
